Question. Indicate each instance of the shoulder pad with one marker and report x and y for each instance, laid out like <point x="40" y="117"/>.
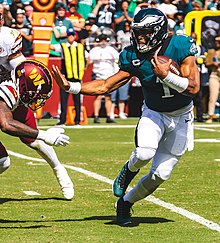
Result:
<point x="12" y="39"/>
<point x="185" y="42"/>
<point x="9" y="94"/>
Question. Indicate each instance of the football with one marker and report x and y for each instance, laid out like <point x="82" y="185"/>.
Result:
<point x="174" y="67"/>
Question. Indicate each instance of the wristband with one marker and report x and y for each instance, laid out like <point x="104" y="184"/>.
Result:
<point x="41" y="135"/>
<point x="74" y="87"/>
<point x="176" y="82"/>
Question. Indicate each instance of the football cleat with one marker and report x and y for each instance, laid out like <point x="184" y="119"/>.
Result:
<point x="64" y="182"/>
<point x="122" y="181"/>
<point x="123" y="214"/>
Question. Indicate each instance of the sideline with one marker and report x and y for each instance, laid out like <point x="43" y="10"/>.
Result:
<point x="194" y="217"/>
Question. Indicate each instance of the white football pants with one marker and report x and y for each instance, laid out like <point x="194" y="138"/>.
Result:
<point x="163" y="138"/>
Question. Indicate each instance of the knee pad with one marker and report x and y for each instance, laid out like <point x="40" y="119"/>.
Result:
<point x="145" y="154"/>
<point x="140" y="157"/>
<point x="164" y="170"/>
<point x="4" y="164"/>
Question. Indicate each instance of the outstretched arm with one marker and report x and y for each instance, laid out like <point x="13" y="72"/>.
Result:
<point x="95" y="87"/>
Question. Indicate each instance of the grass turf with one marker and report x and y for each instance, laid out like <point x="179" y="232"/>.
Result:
<point x="90" y="216"/>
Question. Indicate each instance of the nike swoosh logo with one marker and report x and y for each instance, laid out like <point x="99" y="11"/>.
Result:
<point x="187" y="120"/>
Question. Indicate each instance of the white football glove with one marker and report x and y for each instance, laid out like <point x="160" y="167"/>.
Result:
<point x="54" y="136"/>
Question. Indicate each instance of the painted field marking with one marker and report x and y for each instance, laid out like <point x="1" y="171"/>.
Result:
<point x="194" y="217"/>
<point x="31" y="193"/>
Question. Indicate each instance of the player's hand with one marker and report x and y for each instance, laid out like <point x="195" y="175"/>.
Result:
<point x="60" y="79"/>
<point x="160" y="69"/>
<point x="54" y="136"/>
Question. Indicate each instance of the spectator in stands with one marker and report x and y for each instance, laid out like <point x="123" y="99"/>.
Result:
<point x="197" y="6"/>
<point x="146" y="4"/>
<point x="60" y="26"/>
<point x="213" y="64"/>
<point x="179" y="23"/>
<point x="26" y="33"/>
<point x="7" y="17"/>
<point x="169" y="9"/>
<point x="183" y="5"/>
<point x="77" y="20"/>
<point x="28" y="14"/>
<point x="120" y="96"/>
<point x="204" y="81"/>
<point x="15" y="5"/>
<point x="90" y="35"/>
<point x="74" y="60"/>
<point x="104" y="13"/>
<point x="142" y="5"/>
<point x="213" y="5"/>
<point x="104" y="59"/>
<point x="124" y="35"/>
<point x="85" y="7"/>
<point x="122" y="15"/>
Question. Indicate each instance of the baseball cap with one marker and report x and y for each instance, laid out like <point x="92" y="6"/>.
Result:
<point x="20" y="11"/>
<point x="70" y="31"/>
<point x="72" y="3"/>
<point x="88" y="22"/>
<point x="102" y="37"/>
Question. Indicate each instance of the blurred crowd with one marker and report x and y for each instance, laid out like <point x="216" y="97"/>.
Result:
<point x="108" y="21"/>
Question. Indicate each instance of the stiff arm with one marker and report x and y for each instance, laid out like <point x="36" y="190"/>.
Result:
<point x="94" y="87"/>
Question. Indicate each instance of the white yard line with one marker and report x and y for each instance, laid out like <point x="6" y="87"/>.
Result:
<point x="194" y="217"/>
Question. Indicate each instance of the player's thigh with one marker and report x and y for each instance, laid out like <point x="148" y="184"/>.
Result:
<point x="149" y="129"/>
<point x="181" y="137"/>
<point x="25" y="116"/>
<point x="163" y="164"/>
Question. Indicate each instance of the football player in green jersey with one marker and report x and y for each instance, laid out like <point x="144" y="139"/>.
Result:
<point x="165" y="129"/>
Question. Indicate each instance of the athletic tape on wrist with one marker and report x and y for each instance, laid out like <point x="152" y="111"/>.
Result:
<point x="176" y="82"/>
<point x="74" y="88"/>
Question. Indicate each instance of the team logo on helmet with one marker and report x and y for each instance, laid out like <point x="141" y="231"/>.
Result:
<point x="149" y="29"/>
<point x="35" y="83"/>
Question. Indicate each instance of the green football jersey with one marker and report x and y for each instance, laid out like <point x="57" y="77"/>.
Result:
<point x="157" y="95"/>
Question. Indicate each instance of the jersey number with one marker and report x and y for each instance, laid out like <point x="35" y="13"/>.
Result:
<point x="166" y="89"/>
<point x="105" y="17"/>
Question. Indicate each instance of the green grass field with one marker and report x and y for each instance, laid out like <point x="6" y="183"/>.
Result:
<point x="90" y="216"/>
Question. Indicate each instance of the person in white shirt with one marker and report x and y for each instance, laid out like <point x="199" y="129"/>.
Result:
<point x="104" y="58"/>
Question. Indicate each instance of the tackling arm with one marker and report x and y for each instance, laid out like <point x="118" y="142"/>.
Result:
<point x="53" y="136"/>
<point x="13" y="127"/>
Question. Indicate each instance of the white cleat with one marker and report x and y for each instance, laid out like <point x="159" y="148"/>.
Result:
<point x="64" y="182"/>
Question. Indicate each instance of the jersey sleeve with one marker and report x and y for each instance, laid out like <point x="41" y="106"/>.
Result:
<point x="185" y="46"/>
<point x="9" y="94"/>
<point x="13" y="42"/>
<point x="124" y="63"/>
